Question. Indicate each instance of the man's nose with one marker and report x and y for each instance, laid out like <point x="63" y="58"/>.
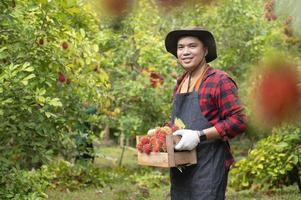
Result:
<point x="186" y="51"/>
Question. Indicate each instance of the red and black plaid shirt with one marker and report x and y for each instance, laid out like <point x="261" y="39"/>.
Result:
<point x="220" y="105"/>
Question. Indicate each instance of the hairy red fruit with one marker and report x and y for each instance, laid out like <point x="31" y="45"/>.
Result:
<point x="156" y="79"/>
<point x="61" y="77"/>
<point x="157" y="130"/>
<point x="156" y="147"/>
<point x="65" y="45"/>
<point x="144" y="140"/>
<point x="153" y="140"/>
<point x="157" y="141"/>
<point x="174" y="128"/>
<point x="269" y="10"/>
<point x="139" y="146"/>
<point x="147" y="148"/>
<point x="288" y="29"/>
<point x="161" y="137"/>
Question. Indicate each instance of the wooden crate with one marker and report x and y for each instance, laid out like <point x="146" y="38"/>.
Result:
<point x="171" y="158"/>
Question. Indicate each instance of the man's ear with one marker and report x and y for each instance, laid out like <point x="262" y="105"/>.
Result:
<point x="206" y="51"/>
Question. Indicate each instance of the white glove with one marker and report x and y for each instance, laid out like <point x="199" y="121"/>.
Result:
<point x="151" y="131"/>
<point x="189" y="140"/>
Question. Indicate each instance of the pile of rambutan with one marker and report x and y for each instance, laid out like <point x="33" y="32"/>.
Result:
<point x="156" y="142"/>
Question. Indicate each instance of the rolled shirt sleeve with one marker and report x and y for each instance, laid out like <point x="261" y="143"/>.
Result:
<point x="232" y="120"/>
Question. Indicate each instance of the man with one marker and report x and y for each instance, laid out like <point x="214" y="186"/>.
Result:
<point x="206" y="100"/>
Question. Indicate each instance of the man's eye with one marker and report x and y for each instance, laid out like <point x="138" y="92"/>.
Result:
<point x="180" y="47"/>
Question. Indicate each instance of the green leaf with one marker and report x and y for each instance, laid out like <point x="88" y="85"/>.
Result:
<point x="260" y="166"/>
<point x="82" y="32"/>
<point x="282" y="145"/>
<point x="41" y="100"/>
<point x="55" y="102"/>
<point x="29" y="69"/>
<point x="71" y="3"/>
<point x="245" y="183"/>
<point x="95" y="48"/>
<point x="293" y="159"/>
<point x="43" y="2"/>
<point x="73" y="10"/>
<point x="27" y="78"/>
<point x="3" y="53"/>
<point x="179" y="123"/>
<point x="49" y="114"/>
<point x="7" y="101"/>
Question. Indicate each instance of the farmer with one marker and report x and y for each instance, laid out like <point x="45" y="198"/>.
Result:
<point x="206" y="100"/>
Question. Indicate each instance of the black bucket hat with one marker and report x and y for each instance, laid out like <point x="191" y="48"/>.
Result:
<point x="171" y="40"/>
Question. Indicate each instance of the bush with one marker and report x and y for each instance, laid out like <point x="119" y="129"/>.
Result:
<point x="22" y="185"/>
<point x="273" y="163"/>
<point x="65" y="176"/>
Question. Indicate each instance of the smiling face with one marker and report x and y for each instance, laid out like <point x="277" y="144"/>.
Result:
<point x="191" y="52"/>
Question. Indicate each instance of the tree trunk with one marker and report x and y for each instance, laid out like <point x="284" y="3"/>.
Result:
<point x="127" y="141"/>
<point x="121" y="139"/>
<point x="106" y="137"/>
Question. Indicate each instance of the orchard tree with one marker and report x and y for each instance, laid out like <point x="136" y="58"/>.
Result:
<point x="48" y="55"/>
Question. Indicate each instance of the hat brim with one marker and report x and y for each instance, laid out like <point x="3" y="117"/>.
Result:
<point x="171" y="41"/>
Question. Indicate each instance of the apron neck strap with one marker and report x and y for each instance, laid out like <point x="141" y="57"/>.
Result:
<point x="197" y="83"/>
<point x="200" y="79"/>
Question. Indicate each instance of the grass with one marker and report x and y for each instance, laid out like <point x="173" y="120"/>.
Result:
<point x="113" y="192"/>
<point x="111" y="157"/>
<point x="122" y="192"/>
<point x="151" y="184"/>
<point x="287" y="193"/>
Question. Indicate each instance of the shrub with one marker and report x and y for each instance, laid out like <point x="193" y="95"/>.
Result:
<point x="274" y="161"/>
<point x="22" y="185"/>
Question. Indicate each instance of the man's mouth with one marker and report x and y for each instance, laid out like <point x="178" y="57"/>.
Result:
<point x="186" y="60"/>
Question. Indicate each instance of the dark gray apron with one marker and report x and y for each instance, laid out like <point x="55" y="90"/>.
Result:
<point x="207" y="180"/>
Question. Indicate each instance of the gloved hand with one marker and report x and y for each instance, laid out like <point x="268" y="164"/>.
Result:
<point x="189" y="140"/>
<point x="151" y="131"/>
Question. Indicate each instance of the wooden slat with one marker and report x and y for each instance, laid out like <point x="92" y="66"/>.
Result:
<point x="159" y="159"/>
<point x="170" y="151"/>
<point x="185" y="157"/>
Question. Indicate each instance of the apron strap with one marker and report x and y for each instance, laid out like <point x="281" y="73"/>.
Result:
<point x="181" y="84"/>
<point x="200" y="79"/>
<point x="198" y="82"/>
